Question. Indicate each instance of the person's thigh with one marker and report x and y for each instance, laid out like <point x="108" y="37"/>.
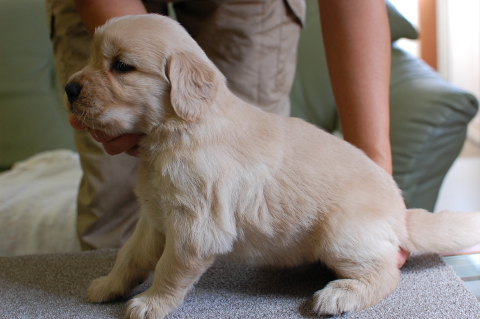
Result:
<point x="254" y="44"/>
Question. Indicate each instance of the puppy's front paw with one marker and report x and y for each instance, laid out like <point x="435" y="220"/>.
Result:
<point x="340" y="296"/>
<point x="148" y="306"/>
<point x="102" y="289"/>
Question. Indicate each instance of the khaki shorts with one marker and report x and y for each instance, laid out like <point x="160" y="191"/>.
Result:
<point x="254" y="43"/>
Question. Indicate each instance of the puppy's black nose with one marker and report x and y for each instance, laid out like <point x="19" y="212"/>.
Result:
<point x="73" y="91"/>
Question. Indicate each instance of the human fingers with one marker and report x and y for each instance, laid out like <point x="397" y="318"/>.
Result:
<point x="125" y="143"/>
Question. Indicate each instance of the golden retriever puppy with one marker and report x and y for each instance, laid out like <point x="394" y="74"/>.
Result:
<point x="219" y="178"/>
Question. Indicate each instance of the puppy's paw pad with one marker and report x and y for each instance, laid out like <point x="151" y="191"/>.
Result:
<point x="146" y="307"/>
<point x="340" y="296"/>
<point x="102" y="289"/>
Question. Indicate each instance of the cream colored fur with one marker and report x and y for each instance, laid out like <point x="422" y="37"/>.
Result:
<point x="219" y="178"/>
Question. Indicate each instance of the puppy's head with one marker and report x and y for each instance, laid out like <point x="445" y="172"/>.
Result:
<point x="143" y="70"/>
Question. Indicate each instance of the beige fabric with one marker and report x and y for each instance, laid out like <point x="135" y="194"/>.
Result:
<point x="252" y="42"/>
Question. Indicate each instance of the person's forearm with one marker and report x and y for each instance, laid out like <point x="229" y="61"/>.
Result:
<point x="95" y="13"/>
<point x="357" y="44"/>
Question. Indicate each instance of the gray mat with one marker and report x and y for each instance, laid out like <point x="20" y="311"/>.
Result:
<point x="53" y="286"/>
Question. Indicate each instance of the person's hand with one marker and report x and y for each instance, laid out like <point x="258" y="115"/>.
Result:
<point x="113" y="145"/>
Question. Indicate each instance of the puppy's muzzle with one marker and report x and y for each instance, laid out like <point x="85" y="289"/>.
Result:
<point x="73" y="91"/>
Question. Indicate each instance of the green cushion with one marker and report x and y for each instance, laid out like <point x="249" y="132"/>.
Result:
<point x="429" y="119"/>
<point x="32" y="118"/>
<point x="399" y="26"/>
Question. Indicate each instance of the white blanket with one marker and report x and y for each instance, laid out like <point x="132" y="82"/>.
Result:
<point x="38" y="205"/>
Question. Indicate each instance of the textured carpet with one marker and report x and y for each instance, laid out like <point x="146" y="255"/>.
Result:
<point x="53" y="286"/>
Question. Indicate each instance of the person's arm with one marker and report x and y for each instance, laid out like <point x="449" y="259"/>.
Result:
<point x="358" y="49"/>
<point x="95" y="13"/>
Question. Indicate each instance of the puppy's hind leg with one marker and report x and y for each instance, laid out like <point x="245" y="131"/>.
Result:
<point x="134" y="261"/>
<point x="363" y="282"/>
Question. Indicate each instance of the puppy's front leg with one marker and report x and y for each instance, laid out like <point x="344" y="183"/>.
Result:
<point x="135" y="260"/>
<point x="174" y="276"/>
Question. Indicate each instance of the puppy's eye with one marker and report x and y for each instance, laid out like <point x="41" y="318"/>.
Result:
<point x="122" y="67"/>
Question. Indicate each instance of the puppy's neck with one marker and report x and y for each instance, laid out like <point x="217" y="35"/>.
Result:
<point x="175" y="135"/>
<point x="227" y="119"/>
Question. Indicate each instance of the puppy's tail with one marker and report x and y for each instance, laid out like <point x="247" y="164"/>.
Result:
<point x="441" y="232"/>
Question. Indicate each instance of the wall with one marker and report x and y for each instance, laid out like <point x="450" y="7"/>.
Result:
<point x="459" y="48"/>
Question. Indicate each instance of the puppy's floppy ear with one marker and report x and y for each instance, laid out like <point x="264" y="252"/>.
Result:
<point x="194" y="85"/>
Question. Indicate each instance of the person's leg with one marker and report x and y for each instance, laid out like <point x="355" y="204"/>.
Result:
<point x="106" y="205"/>
<point x="254" y="44"/>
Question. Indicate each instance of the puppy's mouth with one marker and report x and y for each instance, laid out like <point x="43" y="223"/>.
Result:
<point x="87" y="114"/>
<point x="82" y="105"/>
